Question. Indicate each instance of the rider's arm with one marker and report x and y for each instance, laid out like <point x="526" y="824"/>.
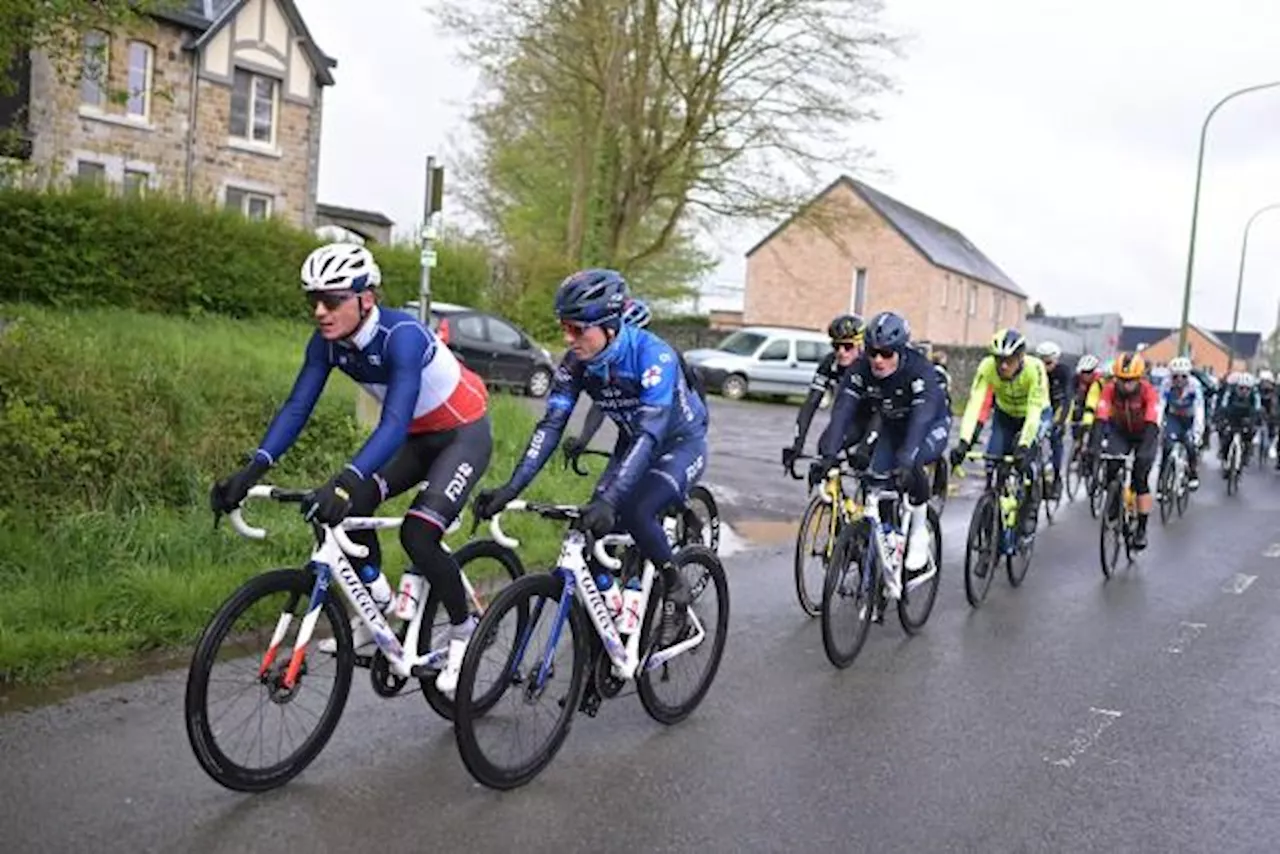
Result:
<point x="289" y="421"/>
<point x="1037" y="399"/>
<point x="823" y="380"/>
<point x="927" y="404"/>
<point x="563" y="397"/>
<point x="1197" y="422"/>
<point x="658" y="369"/>
<point x="1166" y="389"/>
<point x="409" y="347"/>
<point x="977" y="396"/>
<point x="851" y="392"/>
<point x="1091" y="402"/>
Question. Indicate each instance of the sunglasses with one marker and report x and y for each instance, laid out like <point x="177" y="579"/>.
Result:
<point x="877" y="353"/>
<point x="330" y="300"/>
<point x="846" y="345"/>
<point x="574" y="329"/>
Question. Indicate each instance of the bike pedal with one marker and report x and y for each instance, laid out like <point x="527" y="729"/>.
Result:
<point x="365" y="661"/>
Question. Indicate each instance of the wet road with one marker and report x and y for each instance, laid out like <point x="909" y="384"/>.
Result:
<point x="1139" y="714"/>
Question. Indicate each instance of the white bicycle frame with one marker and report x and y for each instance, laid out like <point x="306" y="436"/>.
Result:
<point x="871" y="511"/>
<point x="333" y="553"/>
<point x="625" y="655"/>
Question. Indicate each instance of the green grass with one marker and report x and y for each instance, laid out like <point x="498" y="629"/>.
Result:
<point x="107" y="547"/>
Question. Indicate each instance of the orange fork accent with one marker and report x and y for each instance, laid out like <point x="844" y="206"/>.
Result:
<point x="268" y="660"/>
<point x="295" y="664"/>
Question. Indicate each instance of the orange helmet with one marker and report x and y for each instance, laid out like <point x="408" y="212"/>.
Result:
<point x="1130" y="366"/>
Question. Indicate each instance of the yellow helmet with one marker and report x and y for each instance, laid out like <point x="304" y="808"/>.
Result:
<point x="1130" y="366"/>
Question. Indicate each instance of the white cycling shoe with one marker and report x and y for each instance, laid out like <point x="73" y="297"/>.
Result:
<point x="447" y="680"/>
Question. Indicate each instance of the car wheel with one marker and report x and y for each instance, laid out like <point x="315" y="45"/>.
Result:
<point x="539" y="383"/>
<point x="734" y="387"/>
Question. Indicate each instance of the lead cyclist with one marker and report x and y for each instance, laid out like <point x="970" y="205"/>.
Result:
<point x="434" y="427"/>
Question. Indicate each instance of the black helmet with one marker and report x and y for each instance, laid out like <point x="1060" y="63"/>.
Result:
<point x="593" y="297"/>
<point x="847" y="327"/>
<point x="888" y="330"/>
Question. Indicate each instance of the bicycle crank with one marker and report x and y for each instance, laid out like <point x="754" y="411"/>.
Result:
<point x="385" y="683"/>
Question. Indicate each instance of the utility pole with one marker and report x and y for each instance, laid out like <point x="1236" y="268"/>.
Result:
<point x="430" y="233"/>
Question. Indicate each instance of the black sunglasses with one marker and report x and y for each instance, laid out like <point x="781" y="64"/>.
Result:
<point x="330" y="299"/>
<point x="879" y="353"/>
<point x="846" y="345"/>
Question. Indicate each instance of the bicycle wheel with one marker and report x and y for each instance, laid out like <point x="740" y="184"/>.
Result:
<point x="207" y="727"/>
<point x="920" y="589"/>
<point x="699" y="521"/>
<point x="1017" y="564"/>
<point x="1167" y="486"/>
<point x="1183" y="493"/>
<point x="1051" y="505"/>
<point x="490" y="567"/>
<point x="813" y="549"/>
<point x="847" y="592"/>
<point x="1097" y="489"/>
<point x="659" y="686"/>
<point x="527" y="617"/>
<point x="1112" y="528"/>
<point x="1073" y="477"/>
<point x="981" y="550"/>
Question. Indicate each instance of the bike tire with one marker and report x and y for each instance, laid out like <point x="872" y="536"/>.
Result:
<point x="980" y="566"/>
<point x="926" y="592"/>
<point x="200" y="731"/>
<point x="1097" y="490"/>
<point x="1111" y="529"/>
<point x="700" y="495"/>
<point x="1183" y="494"/>
<point x="520" y="595"/>
<point x="472" y="551"/>
<point x="1017" y="564"/>
<point x="648" y="681"/>
<point x="1168" y="488"/>
<point x="811" y="602"/>
<point x="1073" y="477"/>
<point x="853" y="553"/>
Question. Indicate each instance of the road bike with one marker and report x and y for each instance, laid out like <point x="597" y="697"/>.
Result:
<point x="1172" y="484"/>
<point x="1120" y="512"/>
<point x="1003" y="525"/>
<point x="829" y="510"/>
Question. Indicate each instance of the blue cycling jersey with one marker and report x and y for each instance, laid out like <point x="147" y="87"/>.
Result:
<point x="637" y="382"/>
<point x="1182" y="402"/>
<point x="422" y="387"/>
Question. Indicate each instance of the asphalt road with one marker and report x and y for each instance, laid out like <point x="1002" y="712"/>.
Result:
<point x="1071" y="714"/>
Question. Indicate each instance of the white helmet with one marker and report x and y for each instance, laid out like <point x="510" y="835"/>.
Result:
<point x="1249" y="380"/>
<point x="1179" y="366"/>
<point x="1088" y="364"/>
<point x="340" y="267"/>
<point x="1049" y="351"/>
<point x="1265" y="376"/>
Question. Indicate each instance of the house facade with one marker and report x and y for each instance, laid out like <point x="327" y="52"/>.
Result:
<point x="856" y="249"/>
<point x="1209" y="350"/>
<point x="215" y="100"/>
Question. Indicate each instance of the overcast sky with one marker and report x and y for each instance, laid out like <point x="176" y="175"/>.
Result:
<point x="1060" y="137"/>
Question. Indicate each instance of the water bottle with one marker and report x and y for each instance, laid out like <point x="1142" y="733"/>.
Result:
<point x="410" y="595"/>
<point x="632" y="603"/>
<point x="379" y="587"/>
<point x="612" y="595"/>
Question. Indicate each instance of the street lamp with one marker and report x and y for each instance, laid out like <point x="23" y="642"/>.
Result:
<point x="1195" y="208"/>
<point x="1244" y="247"/>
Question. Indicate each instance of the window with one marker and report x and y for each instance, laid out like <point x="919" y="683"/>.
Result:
<point x="741" y="343"/>
<point x="859" y="294"/>
<point x="253" y="107"/>
<point x="135" y="182"/>
<point x="470" y="326"/>
<point x="251" y="204"/>
<point x="141" y="59"/>
<point x="501" y="333"/>
<point x="997" y="306"/>
<point x="973" y="300"/>
<point x="810" y="351"/>
<point x="777" y="351"/>
<point x="88" y="172"/>
<point x="94" y="63"/>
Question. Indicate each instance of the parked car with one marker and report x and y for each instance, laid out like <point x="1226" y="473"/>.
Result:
<point x="764" y="360"/>
<point x="500" y="353"/>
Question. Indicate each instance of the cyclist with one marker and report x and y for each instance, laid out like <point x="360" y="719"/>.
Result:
<point x="1084" y="398"/>
<point x="434" y="427"/>
<point x="1210" y="388"/>
<point x="661" y="451"/>
<point x="899" y="384"/>
<point x="846" y="332"/>
<point x="1129" y="415"/>
<point x="939" y="359"/>
<point x="1059" y="387"/>
<point x="1182" y="413"/>
<point x="1238" y="409"/>
<point x="1270" y="402"/>
<point x="1021" y="416"/>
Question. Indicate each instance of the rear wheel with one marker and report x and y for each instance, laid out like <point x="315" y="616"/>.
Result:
<point x="1167" y="485"/>
<point x="699" y="520"/>
<point x="920" y="589"/>
<point x="1073" y="476"/>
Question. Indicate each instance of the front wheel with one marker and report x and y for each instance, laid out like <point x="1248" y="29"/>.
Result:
<point x="814" y="542"/>
<point x="1112" y="528"/>
<point x="848" y="591"/>
<point x="981" y="550"/>
<point x="269" y="705"/>
<point x="1167" y="486"/>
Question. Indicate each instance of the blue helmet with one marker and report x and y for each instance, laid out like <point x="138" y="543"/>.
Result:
<point x="888" y="331"/>
<point x="592" y="297"/>
<point x="636" y="313"/>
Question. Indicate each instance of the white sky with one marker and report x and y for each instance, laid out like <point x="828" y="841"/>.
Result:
<point x="1060" y="137"/>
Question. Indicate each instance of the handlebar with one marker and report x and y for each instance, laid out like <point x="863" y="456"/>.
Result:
<point x="573" y="461"/>
<point x="554" y="512"/>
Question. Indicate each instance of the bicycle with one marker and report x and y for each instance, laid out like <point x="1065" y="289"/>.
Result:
<point x="1172" y="489"/>
<point x="1001" y="526"/>
<point x="866" y="549"/>
<point x="697" y="521"/>
<point x="612" y="647"/>
<point x="1077" y="468"/>
<point x="1051" y="505"/>
<point x="821" y="519"/>
<point x="1233" y="462"/>
<point x="401" y="655"/>
<point x="1120" y="514"/>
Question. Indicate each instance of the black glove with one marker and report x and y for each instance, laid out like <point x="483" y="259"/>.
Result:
<point x="789" y="455"/>
<point x="331" y="503"/>
<point x="597" y="518"/>
<point x="958" y="453"/>
<point x="572" y="446"/>
<point x="227" y="493"/>
<point x="490" y="502"/>
<point x="860" y="457"/>
<point x="818" y="470"/>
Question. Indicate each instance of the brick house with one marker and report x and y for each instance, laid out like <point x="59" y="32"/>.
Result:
<point x="218" y="100"/>
<point x="1209" y="350"/>
<point x="853" y="248"/>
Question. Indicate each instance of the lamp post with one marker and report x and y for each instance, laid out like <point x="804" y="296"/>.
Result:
<point x="1244" y="248"/>
<point x="1195" y="207"/>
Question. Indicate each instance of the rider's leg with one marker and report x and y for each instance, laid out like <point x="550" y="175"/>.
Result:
<point x="1144" y="457"/>
<point x="917" y="497"/>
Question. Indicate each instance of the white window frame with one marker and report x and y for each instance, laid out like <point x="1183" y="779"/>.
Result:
<point x="103" y="175"/>
<point x="98" y="76"/>
<point x="143" y="187"/>
<point x="248" y="137"/>
<point x="246" y="198"/>
<point x="148" y="75"/>
<point x="858" y="291"/>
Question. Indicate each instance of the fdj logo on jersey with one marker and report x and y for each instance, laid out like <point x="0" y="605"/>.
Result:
<point x="459" y="481"/>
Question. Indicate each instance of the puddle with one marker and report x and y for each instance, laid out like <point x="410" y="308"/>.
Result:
<point x="762" y="532"/>
<point x="89" y="677"/>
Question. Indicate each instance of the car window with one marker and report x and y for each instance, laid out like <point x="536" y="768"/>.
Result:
<point x="810" y="351"/>
<point x="741" y="343"/>
<point x="501" y="333"/>
<point x="468" y="326"/>
<point x="777" y="351"/>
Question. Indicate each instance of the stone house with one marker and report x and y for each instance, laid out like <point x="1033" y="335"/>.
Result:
<point x="215" y="100"/>
<point x="1209" y="350"/>
<point x="854" y="248"/>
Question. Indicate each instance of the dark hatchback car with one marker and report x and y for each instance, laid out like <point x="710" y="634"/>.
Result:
<point x="498" y="351"/>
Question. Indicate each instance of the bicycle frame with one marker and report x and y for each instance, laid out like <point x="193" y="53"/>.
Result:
<point x="871" y="512"/>
<point x="572" y="570"/>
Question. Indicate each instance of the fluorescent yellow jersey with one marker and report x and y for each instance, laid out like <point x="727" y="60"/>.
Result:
<point x="1025" y="396"/>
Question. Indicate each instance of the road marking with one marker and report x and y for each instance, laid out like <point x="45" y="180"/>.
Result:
<point x="1100" y="720"/>
<point x="1239" y="583"/>
<point x="1273" y="550"/>
<point x="1187" y="632"/>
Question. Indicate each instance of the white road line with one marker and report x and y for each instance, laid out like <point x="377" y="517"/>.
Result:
<point x="1187" y="633"/>
<point x="1100" y="720"/>
<point x="1239" y="583"/>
